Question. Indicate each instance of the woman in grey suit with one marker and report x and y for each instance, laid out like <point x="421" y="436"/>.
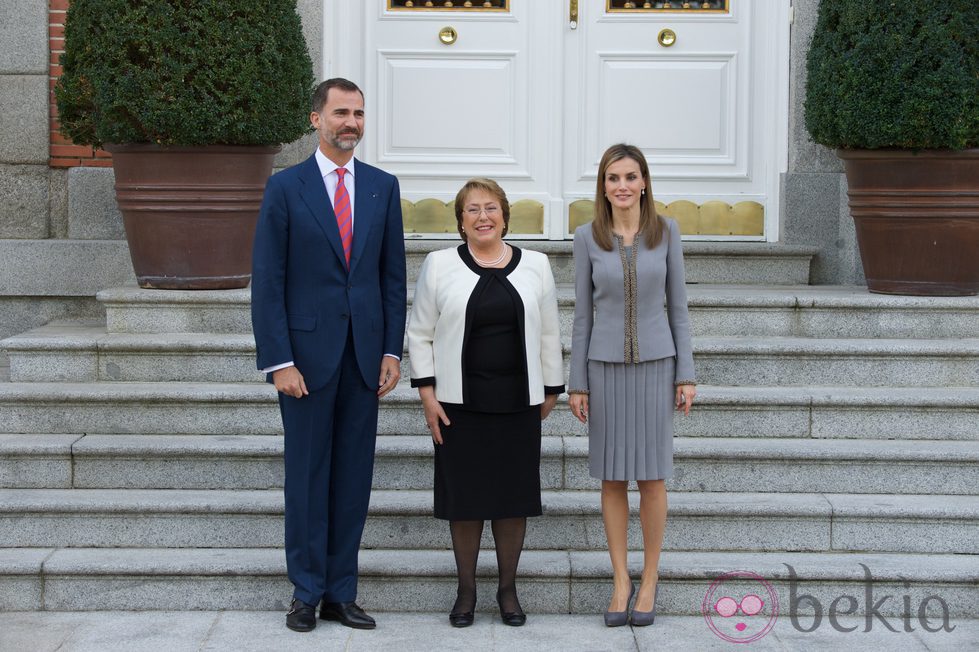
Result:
<point x="631" y="362"/>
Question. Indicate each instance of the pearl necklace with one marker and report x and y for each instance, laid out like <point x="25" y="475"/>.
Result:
<point x="490" y="263"/>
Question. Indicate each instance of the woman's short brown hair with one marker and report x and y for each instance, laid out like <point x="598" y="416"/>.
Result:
<point x="486" y="185"/>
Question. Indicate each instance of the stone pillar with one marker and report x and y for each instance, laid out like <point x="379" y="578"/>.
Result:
<point x="814" y="204"/>
<point x="311" y="13"/>
<point x="24" y="119"/>
<point x="42" y="275"/>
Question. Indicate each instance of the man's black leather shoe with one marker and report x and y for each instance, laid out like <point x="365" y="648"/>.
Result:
<point x="301" y="616"/>
<point x="347" y="613"/>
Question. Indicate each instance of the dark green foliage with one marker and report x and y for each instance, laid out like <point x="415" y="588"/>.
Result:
<point x="898" y="73"/>
<point x="184" y="72"/>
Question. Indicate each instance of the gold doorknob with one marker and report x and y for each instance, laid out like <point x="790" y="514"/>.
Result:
<point x="448" y="35"/>
<point x="666" y="37"/>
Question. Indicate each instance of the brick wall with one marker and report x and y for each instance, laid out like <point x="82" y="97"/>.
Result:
<point x="64" y="153"/>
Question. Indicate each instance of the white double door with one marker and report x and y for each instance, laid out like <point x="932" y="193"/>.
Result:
<point x="522" y="97"/>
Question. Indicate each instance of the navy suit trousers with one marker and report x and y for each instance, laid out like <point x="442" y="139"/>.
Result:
<point x="329" y="463"/>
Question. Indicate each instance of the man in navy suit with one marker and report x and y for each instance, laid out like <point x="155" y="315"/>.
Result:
<point x="328" y="311"/>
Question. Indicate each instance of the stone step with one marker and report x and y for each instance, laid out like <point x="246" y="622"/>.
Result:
<point x="826" y="311"/>
<point x="36" y="461"/>
<point x="780" y="361"/>
<point x="75" y="579"/>
<point x="715" y="310"/>
<point x="755" y="263"/>
<point x="163" y="408"/>
<point x="251" y="409"/>
<point x="141" y="461"/>
<point x="405" y="462"/>
<point x="713" y="521"/>
<point x="739" y="465"/>
<point x="84" y="352"/>
<point x="129" y="309"/>
<point x="37" y="518"/>
<point x="79" y="352"/>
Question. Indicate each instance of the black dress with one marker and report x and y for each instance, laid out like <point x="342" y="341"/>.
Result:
<point x="488" y="466"/>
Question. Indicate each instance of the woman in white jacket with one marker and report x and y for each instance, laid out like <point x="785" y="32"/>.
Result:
<point x="485" y="354"/>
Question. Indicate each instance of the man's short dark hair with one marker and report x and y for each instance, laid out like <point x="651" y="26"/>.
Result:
<point x="323" y="90"/>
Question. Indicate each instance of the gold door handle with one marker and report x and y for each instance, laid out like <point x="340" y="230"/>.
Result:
<point x="666" y="37"/>
<point x="573" y="14"/>
<point x="448" y="35"/>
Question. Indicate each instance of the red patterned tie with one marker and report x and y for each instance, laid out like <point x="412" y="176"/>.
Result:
<point x="341" y="206"/>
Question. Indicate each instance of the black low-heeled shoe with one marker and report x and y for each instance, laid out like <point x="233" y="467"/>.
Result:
<point x="461" y="619"/>
<point x="511" y="618"/>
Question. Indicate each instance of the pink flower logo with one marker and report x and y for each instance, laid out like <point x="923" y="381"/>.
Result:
<point x="740" y="607"/>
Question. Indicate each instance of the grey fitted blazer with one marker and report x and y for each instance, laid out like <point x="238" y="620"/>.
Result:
<point x="629" y="313"/>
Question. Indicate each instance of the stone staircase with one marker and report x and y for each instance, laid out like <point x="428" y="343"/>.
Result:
<point x="142" y="462"/>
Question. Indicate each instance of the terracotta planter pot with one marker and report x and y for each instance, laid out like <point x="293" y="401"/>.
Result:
<point x="917" y="219"/>
<point x="190" y="212"/>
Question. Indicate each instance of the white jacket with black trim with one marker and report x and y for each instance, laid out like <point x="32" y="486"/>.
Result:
<point x="437" y="325"/>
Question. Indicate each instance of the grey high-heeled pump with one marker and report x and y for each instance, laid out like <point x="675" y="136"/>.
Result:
<point x="644" y="618"/>
<point x="620" y="618"/>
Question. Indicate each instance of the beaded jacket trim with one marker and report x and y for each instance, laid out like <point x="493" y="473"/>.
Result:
<point x="631" y="300"/>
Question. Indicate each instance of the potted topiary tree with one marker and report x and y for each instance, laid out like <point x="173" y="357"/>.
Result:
<point x="894" y="86"/>
<point x="193" y="99"/>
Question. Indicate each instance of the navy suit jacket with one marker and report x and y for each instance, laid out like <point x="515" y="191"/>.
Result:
<point x="304" y="299"/>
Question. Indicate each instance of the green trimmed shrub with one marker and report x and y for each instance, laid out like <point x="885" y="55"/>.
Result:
<point x="894" y="74"/>
<point x="184" y="72"/>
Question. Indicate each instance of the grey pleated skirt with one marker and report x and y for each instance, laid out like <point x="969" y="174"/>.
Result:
<point x="630" y="431"/>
